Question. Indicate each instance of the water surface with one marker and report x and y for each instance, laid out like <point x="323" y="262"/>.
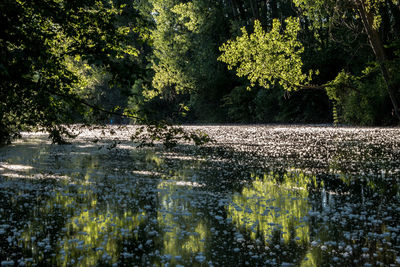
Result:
<point x="259" y="196"/>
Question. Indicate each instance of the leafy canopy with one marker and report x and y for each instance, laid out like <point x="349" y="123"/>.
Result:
<point x="39" y="42"/>
<point x="183" y="49"/>
<point x="268" y="57"/>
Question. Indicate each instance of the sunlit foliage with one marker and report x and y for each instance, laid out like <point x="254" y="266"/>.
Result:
<point x="268" y="57"/>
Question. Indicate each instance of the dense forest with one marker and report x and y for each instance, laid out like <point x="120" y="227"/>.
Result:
<point x="199" y="61"/>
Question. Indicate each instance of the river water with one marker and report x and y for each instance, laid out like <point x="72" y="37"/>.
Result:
<point x="257" y="196"/>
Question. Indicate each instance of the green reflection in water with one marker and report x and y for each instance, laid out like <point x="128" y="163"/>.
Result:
<point x="184" y="233"/>
<point x="78" y="224"/>
<point x="153" y="159"/>
<point x="96" y="235"/>
<point x="310" y="260"/>
<point x="272" y="203"/>
<point x="91" y="235"/>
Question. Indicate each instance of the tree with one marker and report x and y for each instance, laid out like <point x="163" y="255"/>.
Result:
<point x="37" y="40"/>
<point x="266" y="58"/>
<point x="370" y="14"/>
<point x="185" y="43"/>
<point x="183" y="53"/>
<point x="275" y="56"/>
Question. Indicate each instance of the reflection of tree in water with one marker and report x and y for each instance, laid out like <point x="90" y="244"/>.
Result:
<point x="90" y="220"/>
<point x="91" y="230"/>
<point x="184" y="231"/>
<point x="178" y="206"/>
<point x="272" y="209"/>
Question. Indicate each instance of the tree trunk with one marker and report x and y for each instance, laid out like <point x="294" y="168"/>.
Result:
<point x="254" y="9"/>
<point x="234" y="13"/>
<point x="376" y="44"/>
